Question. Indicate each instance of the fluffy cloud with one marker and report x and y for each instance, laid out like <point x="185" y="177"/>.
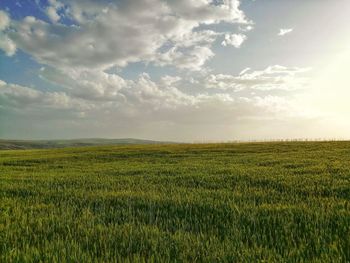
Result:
<point x="197" y="38"/>
<point x="116" y="33"/>
<point x="52" y="14"/>
<point x="6" y="44"/>
<point x="201" y="116"/>
<point x="52" y="10"/>
<point x="235" y="40"/>
<point x="171" y="92"/>
<point x="98" y="86"/>
<point x="272" y="78"/>
<point x="4" y="20"/>
<point x="285" y="31"/>
<point x="101" y="102"/>
<point x="169" y="80"/>
<point x="204" y="11"/>
<point x="84" y="38"/>
<point x="20" y="97"/>
<point x="92" y="85"/>
<point x="192" y="59"/>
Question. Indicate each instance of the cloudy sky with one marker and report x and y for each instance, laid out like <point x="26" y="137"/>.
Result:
<point x="184" y="70"/>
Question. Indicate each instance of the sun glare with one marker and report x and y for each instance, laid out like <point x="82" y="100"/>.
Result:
<point x="332" y="88"/>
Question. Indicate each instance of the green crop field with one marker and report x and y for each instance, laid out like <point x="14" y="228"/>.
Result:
<point x="249" y="202"/>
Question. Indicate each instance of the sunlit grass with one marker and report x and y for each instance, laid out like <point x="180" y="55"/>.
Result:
<point x="272" y="202"/>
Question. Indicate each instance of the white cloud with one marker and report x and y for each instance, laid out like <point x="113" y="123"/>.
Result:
<point x="92" y="85"/>
<point x="205" y="12"/>
<point x="143" y="92"/>
<point x="52" y="10"/>
<point x="2" y="83"/>
<point x="192" y="39"/>
<point x="272" y="78"/>
<point x="142" y="95"/>
<point x="235" y="40"/>
<point x="158" y="31"/>
<point x="169" y="80"/>
<point x="246" y="28"/>
<point x="7" y="45"/>
<point x="172" y="92"/>
<point x="285" y="31"/>
<point x="106" y="102"/>
<point x="97" y="86"/>
<point x="192" y="59"/>
<point x="244" y="71"/>
<point x="4" y="20"/>
<point x="115" y="33"/>
<point x="20" y="97"/>
<point x="52" y="14"/>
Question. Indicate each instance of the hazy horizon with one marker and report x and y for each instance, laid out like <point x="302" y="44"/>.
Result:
<point x="183" y="71"/>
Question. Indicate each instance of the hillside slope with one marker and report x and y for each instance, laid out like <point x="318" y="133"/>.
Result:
<point x="47" y="144"/>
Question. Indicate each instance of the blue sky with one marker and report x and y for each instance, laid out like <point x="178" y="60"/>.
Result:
<point x="174" y="70"/>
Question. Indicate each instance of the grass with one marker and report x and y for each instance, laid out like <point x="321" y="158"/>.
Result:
<point x="253" y="202"/>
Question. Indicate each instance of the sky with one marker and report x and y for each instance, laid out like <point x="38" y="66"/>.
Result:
<point x="185" y="70"/>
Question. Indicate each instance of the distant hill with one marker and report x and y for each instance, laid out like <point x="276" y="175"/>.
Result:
<point x="46" y="144"/>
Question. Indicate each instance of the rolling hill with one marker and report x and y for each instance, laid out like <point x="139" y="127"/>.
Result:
<point x="47" y="144"/>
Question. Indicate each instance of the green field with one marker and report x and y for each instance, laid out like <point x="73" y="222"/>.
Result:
<point x="249" y="202"/>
